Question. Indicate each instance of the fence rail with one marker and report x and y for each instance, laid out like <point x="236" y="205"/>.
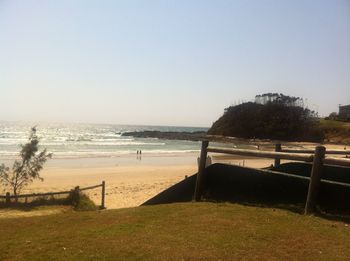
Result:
<point x="36" y="195"/>
<point x="281" y="155"/>
<point x="263" y="154"/>
<point x="337" y="161"/>
<point x="77" y="189"/>
<point x="91" y="187"/>
<point x="317" y="157"/>
<point x="225" y="139"/>
<point x="335" y="152"/>
<point x="235" y="140"/>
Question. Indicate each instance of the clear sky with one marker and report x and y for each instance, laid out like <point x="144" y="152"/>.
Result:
<point x="166" y="62"/>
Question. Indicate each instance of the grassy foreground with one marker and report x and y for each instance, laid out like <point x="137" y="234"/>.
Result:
<point x="175" y="231"/>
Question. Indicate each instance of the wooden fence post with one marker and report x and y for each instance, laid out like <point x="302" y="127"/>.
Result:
<point x="315" y="179"/>
<point x="103" y="195"/>
<point x="278" y="148"/>
<point x="76" y="194"/>
<point x="201" y="169"/>
<point x="8" y="199"/>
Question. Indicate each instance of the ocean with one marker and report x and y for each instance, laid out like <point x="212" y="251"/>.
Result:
<point x="91" y="140"/>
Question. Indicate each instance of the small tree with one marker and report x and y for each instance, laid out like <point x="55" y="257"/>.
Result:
<point x="333" y="116"/>
<point x="25" y="170"/>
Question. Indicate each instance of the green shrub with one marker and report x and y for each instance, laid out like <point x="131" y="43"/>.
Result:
<point x="82" y="202"/>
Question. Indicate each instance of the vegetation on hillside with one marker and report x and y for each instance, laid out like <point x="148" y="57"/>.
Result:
<point x="335" y="131"/>
<point x="271" y="116"/>
<point x="188" y="231"/>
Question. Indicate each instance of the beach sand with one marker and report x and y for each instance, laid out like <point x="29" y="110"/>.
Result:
<point x="130" y="181"/>
<point x="126" y="186"/>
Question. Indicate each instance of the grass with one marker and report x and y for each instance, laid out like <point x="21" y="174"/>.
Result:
<point x="80" y="202"/>
<point x="334" y="124"/>
<point x="175" y="231"/>
<point x="84" y="203"/>
<point x="31" y="211"/>
<point x="336" y="131"/>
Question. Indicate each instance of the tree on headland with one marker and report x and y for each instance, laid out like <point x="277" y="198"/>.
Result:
<point x="332" y="116"/>
<point x="271" y="116"/>
<point x="279" y="98"/>
<point x="27" y="169"/>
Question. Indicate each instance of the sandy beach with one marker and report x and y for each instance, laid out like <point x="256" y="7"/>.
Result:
<point x="126" y="186"/>
<point x="131" y="180"/>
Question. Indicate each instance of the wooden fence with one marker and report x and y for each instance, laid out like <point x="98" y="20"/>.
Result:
<point x="317" y="157"/>
<point x="77" y="189"/>
<point x="335" y="152"/>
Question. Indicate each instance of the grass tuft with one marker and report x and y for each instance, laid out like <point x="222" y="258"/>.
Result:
<point x="82" y="202"/>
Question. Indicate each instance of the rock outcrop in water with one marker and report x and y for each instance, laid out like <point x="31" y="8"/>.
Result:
<point x="167" y="135"/>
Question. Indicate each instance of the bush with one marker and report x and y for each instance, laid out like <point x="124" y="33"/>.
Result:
<point x="81" y="202"/>
<point x="36" y="202"/>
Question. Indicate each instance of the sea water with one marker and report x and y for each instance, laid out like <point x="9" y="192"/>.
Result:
<point x="91" y="140"/>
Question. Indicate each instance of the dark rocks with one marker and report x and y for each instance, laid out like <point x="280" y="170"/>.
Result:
<point x="167" y="135"/>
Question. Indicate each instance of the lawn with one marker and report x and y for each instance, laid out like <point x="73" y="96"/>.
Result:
<point x="175" y="231"/>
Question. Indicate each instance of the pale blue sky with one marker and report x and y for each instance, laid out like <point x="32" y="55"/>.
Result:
<point x="168" y="62"/>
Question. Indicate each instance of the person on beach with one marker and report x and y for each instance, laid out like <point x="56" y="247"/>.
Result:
<point x="138" y="153"/>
